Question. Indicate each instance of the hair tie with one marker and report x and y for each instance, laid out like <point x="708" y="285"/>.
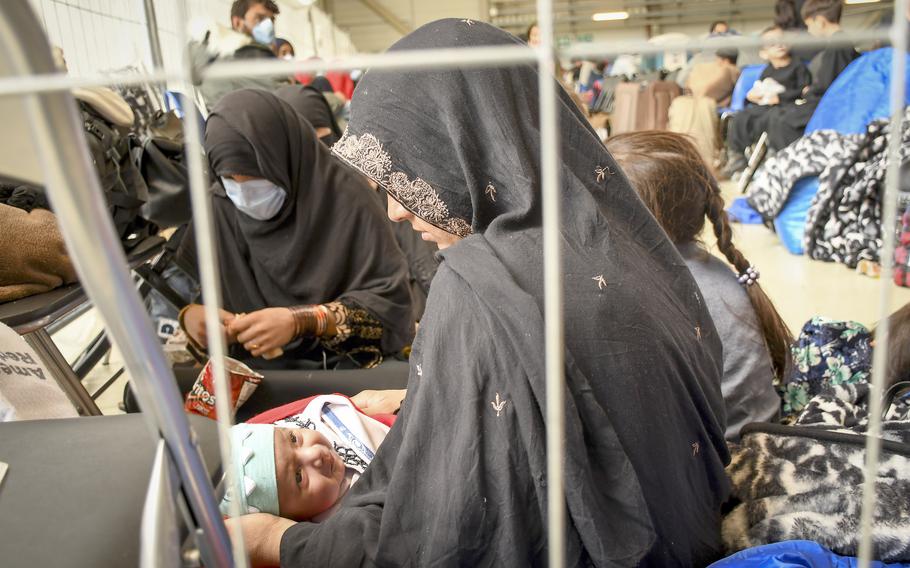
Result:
<point x="749" y="276"/>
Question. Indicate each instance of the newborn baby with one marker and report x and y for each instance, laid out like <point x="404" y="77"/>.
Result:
<point x="300" y="466"/>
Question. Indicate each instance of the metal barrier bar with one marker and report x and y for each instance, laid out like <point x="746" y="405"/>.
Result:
<point x="151" y="24"/>
<point x="96" y="252"/>
<point x="424" y="59"/>
<point x="554" y="345"/>
<point x="899" y="37"/>
<point x="211" y="290"/>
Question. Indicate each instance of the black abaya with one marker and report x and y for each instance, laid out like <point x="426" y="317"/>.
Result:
<point x="461" y="478"/>
<point x="329" y="242"/>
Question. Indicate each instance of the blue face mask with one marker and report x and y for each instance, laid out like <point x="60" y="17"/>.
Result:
<point x="256" y="198"/>
<point x="264" y="32"/>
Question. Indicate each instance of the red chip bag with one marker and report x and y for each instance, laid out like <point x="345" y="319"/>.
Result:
<point x="243" y="381"/>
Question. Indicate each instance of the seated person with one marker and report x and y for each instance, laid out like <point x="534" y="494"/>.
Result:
<point x="787" y="122"/>
<point x="709" y="85"/>
<point x="461" y="478"/>
<point x="306" y="253"/>
<point x="297" y="461"/>
<point x="715" y="79"/>
<point x="420" y="254"/>
<point x="283" y="49"/>
<point x="672" y="180"/>
<point x="782" y="82"/>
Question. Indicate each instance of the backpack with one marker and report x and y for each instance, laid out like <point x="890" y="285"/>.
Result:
<point x="124" y="188"/>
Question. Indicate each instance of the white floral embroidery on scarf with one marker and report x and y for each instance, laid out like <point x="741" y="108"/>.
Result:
<point x="602" y="172"/>
<point x="490" y="191"/>
<point x="366" y="154"/>
<point x="498" y="404"/>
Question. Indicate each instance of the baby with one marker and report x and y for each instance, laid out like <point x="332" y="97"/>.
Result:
<point x="301" y="464"/>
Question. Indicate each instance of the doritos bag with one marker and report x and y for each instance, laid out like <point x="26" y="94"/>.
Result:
<point x="243" y="381"/>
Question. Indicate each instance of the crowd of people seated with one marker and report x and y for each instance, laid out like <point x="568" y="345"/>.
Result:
<point x="414" y="232"/>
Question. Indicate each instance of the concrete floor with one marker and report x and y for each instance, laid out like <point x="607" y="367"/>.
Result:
<point x="802" y="288"/>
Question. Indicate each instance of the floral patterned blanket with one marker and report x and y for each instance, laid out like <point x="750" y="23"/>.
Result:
<point x="803" y="481"/>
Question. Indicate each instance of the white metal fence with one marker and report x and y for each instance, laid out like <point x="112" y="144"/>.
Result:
<point x="177" y="70"/>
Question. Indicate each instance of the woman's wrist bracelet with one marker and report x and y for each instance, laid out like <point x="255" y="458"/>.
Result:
<point x="310" y="320"/>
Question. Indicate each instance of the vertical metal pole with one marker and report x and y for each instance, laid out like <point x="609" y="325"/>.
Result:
<point x="209" y="279"/>
<point x="309" y="16"/>
<point x="151" y="24"/>
<point x="553" y="307"/>
<point x="889" y="213"/>
<point x="40" y="340"/>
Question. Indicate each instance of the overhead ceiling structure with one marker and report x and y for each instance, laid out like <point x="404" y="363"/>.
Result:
<point x="651" y="16"/>
<point x="376" y="24"/>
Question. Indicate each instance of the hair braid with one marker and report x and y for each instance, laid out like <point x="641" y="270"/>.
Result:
<point x="775" y="331"/>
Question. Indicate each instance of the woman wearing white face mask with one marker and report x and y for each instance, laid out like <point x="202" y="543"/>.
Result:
<point x="283" y="49"/>
<point x="310" y="270"/>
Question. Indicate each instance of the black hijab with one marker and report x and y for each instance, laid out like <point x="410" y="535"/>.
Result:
<point x="420" y="254"/>
<point x="321" y="84"/>
<point x="461" y="478"/>
<point x="330" y="240"/>
<point x="312" y="106"/>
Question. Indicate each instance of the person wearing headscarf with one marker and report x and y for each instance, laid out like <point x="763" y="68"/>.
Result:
<point x="310" y="272"/>
<point x="336" y="102"/>
<point x="461" y="478"/>
<point x="422" y="263"/>
<point x="283" y="49"/>
<point x="312" y="106"/>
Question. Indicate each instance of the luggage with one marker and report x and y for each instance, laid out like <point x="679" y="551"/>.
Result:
<point x="642" y="106"/>
<point x="658" y="95"/>
<point x="625" y="108"/>
<point x="124" y="188"/>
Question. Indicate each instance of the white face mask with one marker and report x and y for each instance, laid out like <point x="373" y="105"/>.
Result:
<point x="257" y="198"/>
<point x="288" y="57"/>
<point x="264" y="32"/>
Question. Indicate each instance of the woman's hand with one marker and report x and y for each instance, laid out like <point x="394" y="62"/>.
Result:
<point x="261" y="535"/>
<point x="194" y="324"/>
<point x="373" y="402"/>
<point x="264" y="331"/>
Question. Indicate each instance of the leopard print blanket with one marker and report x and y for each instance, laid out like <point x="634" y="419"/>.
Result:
<point x="805" y="481"/>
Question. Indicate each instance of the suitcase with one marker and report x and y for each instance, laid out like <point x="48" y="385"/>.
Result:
<point x="658" y="95"/>
<point x="625" y="108"/>
<point x="642" y="106"/>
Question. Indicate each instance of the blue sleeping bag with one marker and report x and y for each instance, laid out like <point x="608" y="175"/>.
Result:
<point x="859" y="95"/>
<point x="794" y="554"/>
<point x="790" y="223"/>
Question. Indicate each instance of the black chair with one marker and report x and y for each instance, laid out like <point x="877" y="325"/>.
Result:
<point x="36" y="317"/>
<point x="281" y="387"/>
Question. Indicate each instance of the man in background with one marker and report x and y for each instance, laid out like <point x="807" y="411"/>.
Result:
<point x="251" y="36"/>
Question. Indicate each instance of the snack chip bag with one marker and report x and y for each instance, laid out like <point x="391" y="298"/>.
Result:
<point x="243" y="381"/>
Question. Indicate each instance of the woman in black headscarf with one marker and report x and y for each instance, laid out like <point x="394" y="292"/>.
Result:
<point x="311" y="105"/>
<point x="307" y="256"/>
<point x="461" y="478"/>
<point x="421" y="257"/>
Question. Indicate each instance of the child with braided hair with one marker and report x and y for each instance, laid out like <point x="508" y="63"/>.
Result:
<point x="677" y="186"/>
